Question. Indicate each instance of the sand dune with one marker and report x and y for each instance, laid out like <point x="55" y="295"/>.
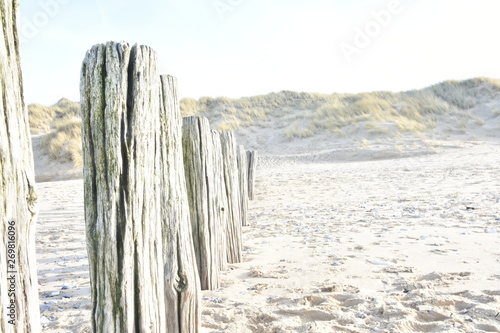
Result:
<point x="404" y="243"/>
<point x="290" y="124"/>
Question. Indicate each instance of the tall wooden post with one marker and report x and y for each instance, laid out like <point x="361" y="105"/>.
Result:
<point x="142" y="270"/>
<point x="19" y="308"/>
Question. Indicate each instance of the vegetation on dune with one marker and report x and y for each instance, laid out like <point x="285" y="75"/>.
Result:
<point x="42" y="118"/>
<point x="296" y="115"/>
<point x="301" y="115"/>
<point x="61" y="126"/>
<point x="64" y="143"/>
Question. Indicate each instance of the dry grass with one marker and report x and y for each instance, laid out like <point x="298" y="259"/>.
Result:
<point x="64" y="143"/>
<point x="302" y="115"/>
<point x="42" y="118"/>
<point x="296" y="130"/>
<point x="296" y="115"/>
<point x="466" y="94"/>
<point x="62" y="124"/>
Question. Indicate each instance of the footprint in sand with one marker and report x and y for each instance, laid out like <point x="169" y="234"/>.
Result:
<point x="308" y="315"/>
<point x="314" y="300"/>
<point x="486" y="328"/>
<point x="414" y="326"/>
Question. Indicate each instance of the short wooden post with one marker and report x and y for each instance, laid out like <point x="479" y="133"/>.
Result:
<point x="203" y="179"/>
<point x="182" y="287"/>
<point x="243" y="183"/>
<point x="252" y="171"/>
<point x="142" y="266"/>
<point x="221" y="208"/>
<point x="233" y="231"/>
<point x="19" y="307"/>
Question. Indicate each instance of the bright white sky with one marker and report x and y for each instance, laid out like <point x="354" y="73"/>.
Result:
<point x="240" y="48"/>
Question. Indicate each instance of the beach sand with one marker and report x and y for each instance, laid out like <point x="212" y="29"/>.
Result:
<point x="369" y="241"/>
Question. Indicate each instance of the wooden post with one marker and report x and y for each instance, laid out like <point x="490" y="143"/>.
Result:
<point x="181" y="276"/>
<point x="203" y="179"/>
<point x="252" y="171"/>
<point x="233" y="231"/>
<point x="221" y="210"/>
<point x="142" y="271"/>
<point x="243" y="183"/>
<point x="19" y="307"/>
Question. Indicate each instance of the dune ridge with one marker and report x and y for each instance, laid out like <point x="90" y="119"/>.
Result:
<point x="293" y="123"/>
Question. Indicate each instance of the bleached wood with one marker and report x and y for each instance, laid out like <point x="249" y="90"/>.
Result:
<point x="142" y="271"/>
<point x="18" y="199"/>
<point x="182" y="288"/>
<point x="252" y="156"/>
<point x="234" y="222"/>
<point x="221" y="211"/>
<point x="203" y="179"/>
<point x="243" y="183"/>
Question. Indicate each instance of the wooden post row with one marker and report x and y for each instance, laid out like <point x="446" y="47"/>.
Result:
<point x="164" y="205"/>
<point x="142" y="264"/>
<point x="216" y="201"/>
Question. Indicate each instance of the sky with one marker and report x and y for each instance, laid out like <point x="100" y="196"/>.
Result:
<point x="238" y="48"/>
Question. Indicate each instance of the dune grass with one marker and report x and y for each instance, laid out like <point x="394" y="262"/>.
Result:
<point x="298" y="115"/>
<point x="302" y="115"/>
<point x="42" y="118"/>
<point x="61" y="126"/>
<point x="64" y="143"/>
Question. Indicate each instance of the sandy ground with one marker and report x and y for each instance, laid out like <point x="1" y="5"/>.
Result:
<point x="365" y="244"/>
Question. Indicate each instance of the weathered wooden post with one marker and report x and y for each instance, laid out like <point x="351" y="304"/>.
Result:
<point x="243" y="183"/>
<point x="142" y="267"/>
<point x="181" y="276"/>
<point x="203" y="179"/>
<point x="252" y="171"/>
<point x="233" y="231"/>
<point x="220" y="189"/>
<point x="19" y="308"/>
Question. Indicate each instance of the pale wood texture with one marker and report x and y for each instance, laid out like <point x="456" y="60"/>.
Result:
<point x="221" y="211"/>
<point x="182" y="286"/>
<point x="233" y="231"/>
<point x="243" y="183"/>
<point x="252" y="156"/>
<point x="142" y="271"/>
<point x="17" y="192"/>
<point x="203" y="179"/>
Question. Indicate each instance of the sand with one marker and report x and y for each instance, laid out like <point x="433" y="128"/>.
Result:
<point x="377" y="239"/>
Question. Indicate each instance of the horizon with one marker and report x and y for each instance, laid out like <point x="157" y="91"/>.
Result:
<point x="238" y="48"/>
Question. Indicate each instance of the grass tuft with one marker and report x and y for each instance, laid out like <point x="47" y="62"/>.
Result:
<point x="64" y="143"/>
<point x="42" y="118"/>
